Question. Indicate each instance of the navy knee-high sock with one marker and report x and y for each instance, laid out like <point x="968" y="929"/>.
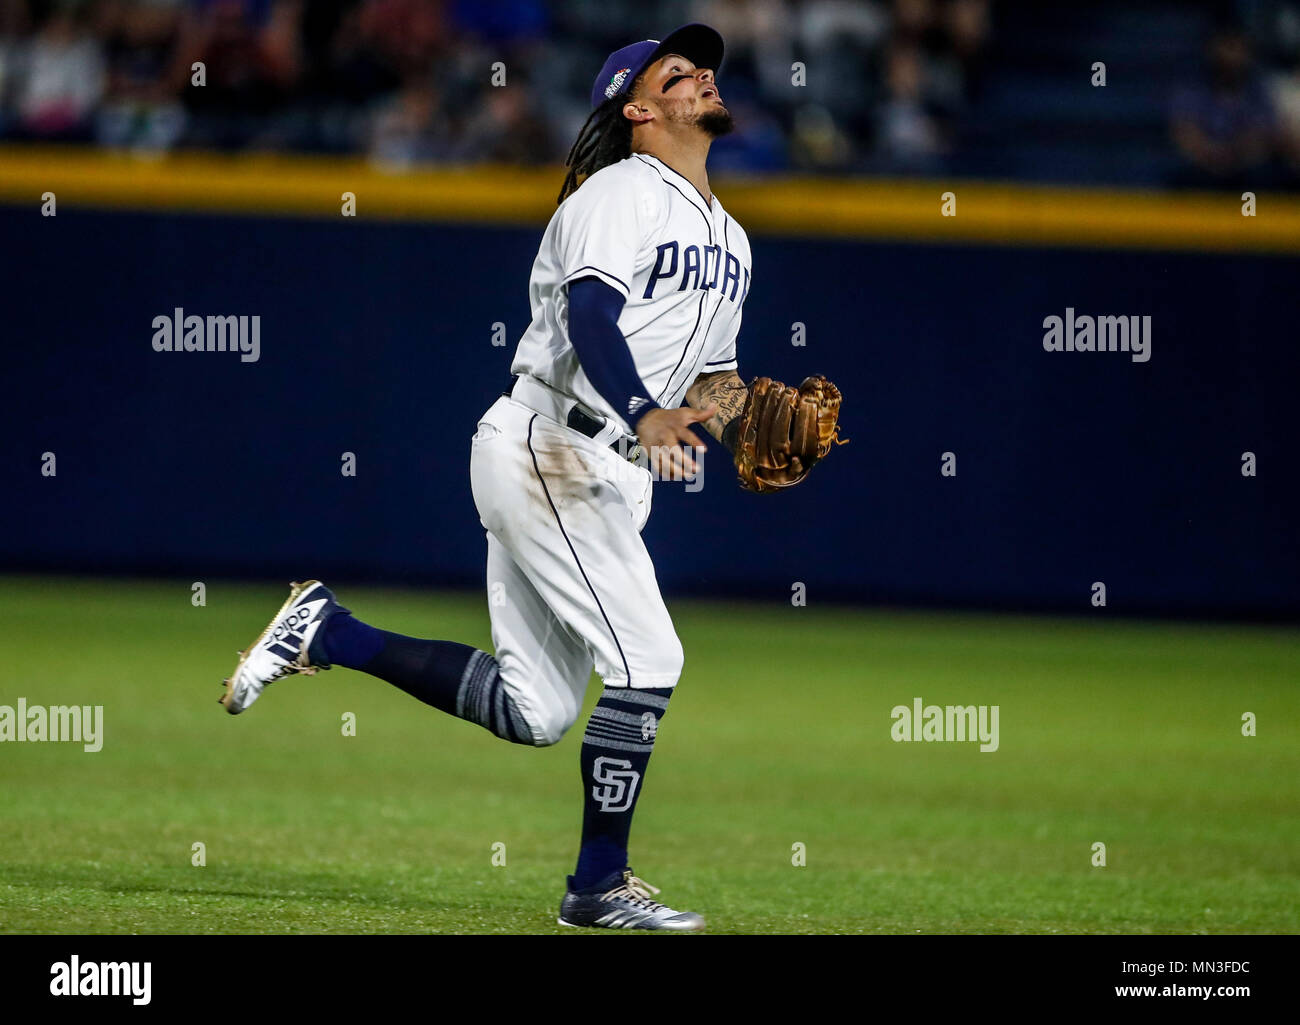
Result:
<point x="615" y="752"/>
<point x="456" y="678"/>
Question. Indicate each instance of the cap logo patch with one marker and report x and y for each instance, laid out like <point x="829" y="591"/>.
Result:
<point x="616" y="83"/>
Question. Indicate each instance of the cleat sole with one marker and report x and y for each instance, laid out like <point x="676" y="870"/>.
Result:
<point x="296" y="589"/>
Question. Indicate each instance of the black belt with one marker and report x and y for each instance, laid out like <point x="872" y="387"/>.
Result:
<point x="591" y="426"/>
<point x="584" y="424"/>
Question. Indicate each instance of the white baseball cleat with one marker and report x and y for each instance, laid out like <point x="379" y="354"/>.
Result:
<point x="622" y="901"/>
<point x="282" y="648"/>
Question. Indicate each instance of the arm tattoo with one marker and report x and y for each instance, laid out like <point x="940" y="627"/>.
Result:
<point x="727" y="390"/>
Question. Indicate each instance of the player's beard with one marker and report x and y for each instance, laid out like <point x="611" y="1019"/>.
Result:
<point x="714" y="122"/>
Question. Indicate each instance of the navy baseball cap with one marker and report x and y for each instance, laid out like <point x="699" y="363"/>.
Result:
<point x="699" y="44"/>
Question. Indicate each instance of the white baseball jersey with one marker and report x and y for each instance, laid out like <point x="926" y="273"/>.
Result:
<point x="572" y="585"/>
<point x="683" y="267"/>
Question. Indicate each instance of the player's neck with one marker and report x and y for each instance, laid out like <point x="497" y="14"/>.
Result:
<point x="687" y="155"/>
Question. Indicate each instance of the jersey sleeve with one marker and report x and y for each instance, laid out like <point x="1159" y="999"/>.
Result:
<point x="600" y="232"/>
<point x="722" y="356"/>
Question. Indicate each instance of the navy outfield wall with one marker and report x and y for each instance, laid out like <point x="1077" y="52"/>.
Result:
<point x="376" y="339"/>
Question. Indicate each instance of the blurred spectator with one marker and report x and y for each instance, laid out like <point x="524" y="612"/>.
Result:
<point x="949" y="37"/>
<point x="1285" y="94"/>
<point x="909" y="136"/>
<point x="13" y="25"/>
<point x="1276" y="25"/>
<point x="141" y="105"/>
<point x="61" y="77"/>
<point x="509" y="127"/>
<point x="412" y="125"/>
<point x="250" y="52"/>
<point x="841" y="42"/>
<point x="406" y="35"/>
<point x="1224" y="126"/>
<point x="816" y="141"/>
<point x="957" y="50"/>
<point x="411" y="82"/>
<point x="410" y="128"/>
<point x="833" y="86"/>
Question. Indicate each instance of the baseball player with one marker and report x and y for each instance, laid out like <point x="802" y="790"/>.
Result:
<point x="636" y="297"/>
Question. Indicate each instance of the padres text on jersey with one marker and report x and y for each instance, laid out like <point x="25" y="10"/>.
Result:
<point x="682" y="265"/>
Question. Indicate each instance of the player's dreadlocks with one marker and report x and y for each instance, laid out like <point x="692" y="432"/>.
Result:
<point x="605" y="138"/>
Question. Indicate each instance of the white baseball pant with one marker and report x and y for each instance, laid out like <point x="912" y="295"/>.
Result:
<point x="570" y="583"/>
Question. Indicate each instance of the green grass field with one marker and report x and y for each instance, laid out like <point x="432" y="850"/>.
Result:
<point x="1110" y="731"/>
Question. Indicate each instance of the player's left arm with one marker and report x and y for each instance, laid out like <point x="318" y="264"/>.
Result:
<point x="727" y="392"/>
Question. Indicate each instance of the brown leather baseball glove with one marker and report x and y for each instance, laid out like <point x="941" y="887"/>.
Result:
<point x="785" y="431"/>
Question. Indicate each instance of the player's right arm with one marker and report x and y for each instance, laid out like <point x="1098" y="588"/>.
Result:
<point x="723" y="394"/>
<point x="607" y="361"/>
<point x="602" y="229"/>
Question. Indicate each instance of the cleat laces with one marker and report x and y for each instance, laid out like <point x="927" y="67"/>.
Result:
<point x="635" y="891"/>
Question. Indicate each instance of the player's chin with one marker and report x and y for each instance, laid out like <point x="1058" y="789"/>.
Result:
<point x="716" y="122"/>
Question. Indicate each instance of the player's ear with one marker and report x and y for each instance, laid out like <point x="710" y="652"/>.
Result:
<point x="636" y="113"/>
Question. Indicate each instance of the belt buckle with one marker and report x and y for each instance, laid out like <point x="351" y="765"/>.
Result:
<point x="632" y="453"/>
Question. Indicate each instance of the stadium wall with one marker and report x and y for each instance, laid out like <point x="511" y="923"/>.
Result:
<point x="377" y="338"/>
